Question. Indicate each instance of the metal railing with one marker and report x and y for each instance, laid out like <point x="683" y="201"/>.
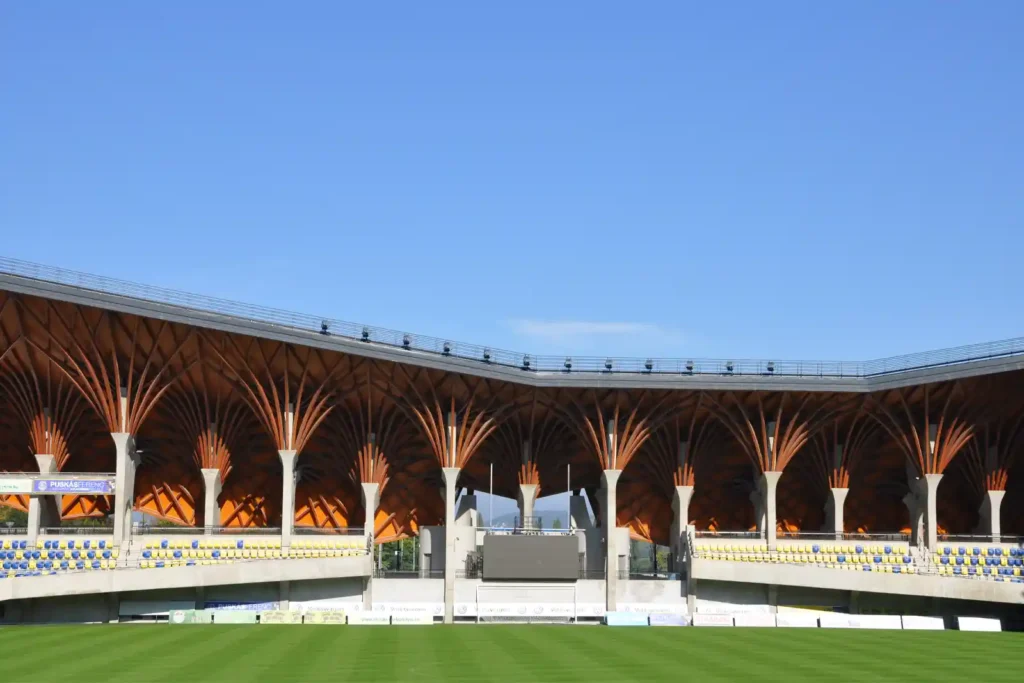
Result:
<point x="77" y="530"/>
<point x="844" y="536"/>
<point x="729" y="534"/>
<point x="152" y="530"/>
<point x="491" y="356"/>
<point x="980" y="538"/>
<point x="327" y="531"/>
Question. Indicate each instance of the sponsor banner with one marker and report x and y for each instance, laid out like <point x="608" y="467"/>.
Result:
<point x="15" y="485"/>
<point x="465" y="609"/>
<point x="912" y="623"/>
<point x="369" y="618"/>
<point x="653" y="608"/>
<point x="280" y="617"/>
<point x="835" y="621"/>
<point x="669" y="620"/>
<point x="412" y="619"/>
<point x="62" y="485"/>
<point x="626" y="619"/>
<point x="231" y="606"/>
<point x="878" y="621"/>
<point x="435" y="609"/>
<point x="234" y="616"/>
<point x="525" y="609"/>
<point x="152" y="608"/>
<point x="754" y="620"/>
<point x="308" y="606"/>
<point x="796" y="620"/>
<point x="187" y="616"/>
<point x="712" y="620"/>
<point x="715" y="607"/>
<point x="979" y="624"/>
<point x="324" y="617"/>
<point x="590" y="609"/>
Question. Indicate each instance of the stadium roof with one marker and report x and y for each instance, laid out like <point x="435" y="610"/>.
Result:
<point x="365" y="340"/>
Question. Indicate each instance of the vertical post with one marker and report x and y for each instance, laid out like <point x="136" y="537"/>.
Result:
<point x="451" y="476"/>
<point x="490" y="498"/>
<point x="124" y="485"/>
<point x="370" y="502"/>
<point x="680" y="520"/>
<point x="527" y="496"/>
<point x="43" y="510"/>
<point x="769" y="482"/>
<point x="991" y="506"/>
<point x="931" y="490"/>
<point x="212" y="486"/>
<point x="288" y="458"/>
<point x="610" y="480"/>
<point x="834" y="514"/>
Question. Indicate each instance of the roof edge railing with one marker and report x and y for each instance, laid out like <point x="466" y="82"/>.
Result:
<point x="504" y="358"/>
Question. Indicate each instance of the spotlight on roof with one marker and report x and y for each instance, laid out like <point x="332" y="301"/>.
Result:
<point x="487" y="355"/>
<point x="366" y="334"/>
<point x="648" y="365"/>
<point x="568" y="364"/>
<point x="608" y="365"/>
<point x="447" y="349"/>
<point x="728" y="366"/>
<point x="689" y="367"/>
<point x="406" y="341"/>
<point x="771" y="367"/>
<point x="526" y="362"/>
<point x="324" y="327"/>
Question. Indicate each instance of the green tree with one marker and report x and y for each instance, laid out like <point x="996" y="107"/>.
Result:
<point x="557" y="524"/>
<point x="17" y="518"/>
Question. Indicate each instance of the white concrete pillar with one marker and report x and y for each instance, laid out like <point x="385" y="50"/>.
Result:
<point x="451" y="477"/>
<point x="609" y="482"/>
<point x="288" y="458"/>
<point x="526" y="499"/>
<point x="43" y="511"/>
<point x="370" y="501"/>
<point x="212" y="487"/>
<point x="769" y="482"/>
<point x="579" y="516"/>
<point x="126" y="464"/>
<point x="680" y="520"/>
<point x="931" y="490"/>
<point x="991" y="506"/>
<point x="834" y="520"/>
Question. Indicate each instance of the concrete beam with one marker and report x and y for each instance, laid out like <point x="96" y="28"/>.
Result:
<point x="769" y="483"/>
<point x="834" y="520"/>
<point x="131" y="579"/>
<point x="680" y="520"/>
<point x="43" y="511"/>
<point x="864" y="582"/>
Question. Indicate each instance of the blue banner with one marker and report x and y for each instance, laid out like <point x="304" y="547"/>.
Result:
<point x="254" y="606"/>
<point x="669" y="620"/>
<point x="625" y="619"/>
<point x="83" y="486"/>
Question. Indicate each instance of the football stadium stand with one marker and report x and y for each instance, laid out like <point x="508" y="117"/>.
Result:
<point x="281" y="450"/>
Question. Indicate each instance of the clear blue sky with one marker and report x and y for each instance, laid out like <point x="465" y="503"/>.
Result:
<point x="786" y="179"/>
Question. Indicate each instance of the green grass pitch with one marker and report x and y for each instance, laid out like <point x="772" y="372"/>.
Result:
<point x="520" y="653"/>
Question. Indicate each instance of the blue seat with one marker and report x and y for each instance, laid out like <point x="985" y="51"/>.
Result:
<point x="46" y="545"/>
<point x="163" y="544"/>
<point x="946" y="550"/>
<point x="974" y="561"/>
<point x="897" y="569"/>
<point x="91" y="554"/>
<point x="146" y="554"/>
<point x="240" y="545"/>
<point x="216" y="553"/>
<point x="860" y="549"/>
<point x="71" y="545"/>
<point x="959" y="560"/>
<point x="80" y="564"/>
<point x="86" y="544"/>
<point x="957" y="570"/>
<point x="190" y="563"/>
<point x="195" y="545"/>
<point x="888" y="550"/>
<point x="878" y="559"/>
<point x="95" y="564"/>
<point x="961" y="550"/>
<point x="64" y="564"/>
<point x="842" y="558"/>
<point x="75" y="555"/>
<point x="177" y="554"/>
<point x="103" y="545"/>
<point x="907" y="559"/>
<point x="159" y="564"/>
<point x="106" y="554"/>
<point x="977" y="550"/>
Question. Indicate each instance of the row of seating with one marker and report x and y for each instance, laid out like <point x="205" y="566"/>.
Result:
<point x="247" y="554"/>
<point x="812" y="548"/>
<point x="107" y="554"/>
<point x="979" y="551"/>
<point x="352" y="543"/>
<point x="57" y="544"/>
<point x="13" y="569"/>
<point x="1016" y="574"/>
